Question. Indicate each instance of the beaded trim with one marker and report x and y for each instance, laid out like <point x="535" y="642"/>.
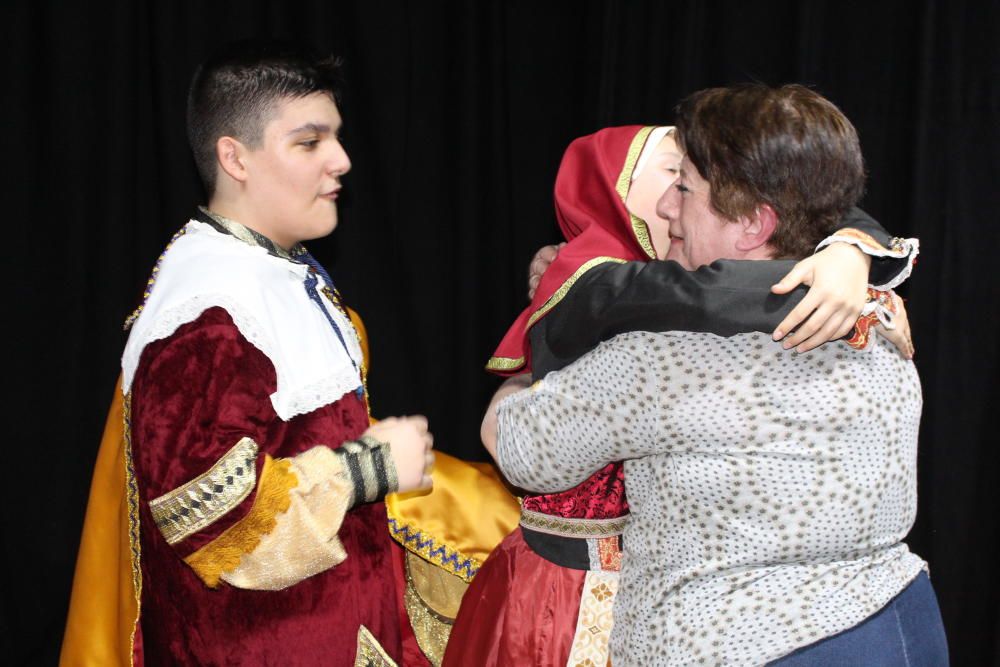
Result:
<point x="206" y="498"/>
<point x="570" y="527"/>
<point x="130" y="320"/>
<point x="441" y="555"/>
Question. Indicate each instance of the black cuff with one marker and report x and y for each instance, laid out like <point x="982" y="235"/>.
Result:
<point x="370" y="467"/>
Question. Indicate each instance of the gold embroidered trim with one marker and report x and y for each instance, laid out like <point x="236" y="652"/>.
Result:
<point x="430" y="627"/>
<point x="370" y="653"/>
<point x="425" y="546"/>
<point x="504" y="364"/>
<point x="569" y="527"/>
<point x="558" y="295"/>
<point x="594" y="621"/>
<point x="639" y="227"/>
<point x="132" y="501"/>
<point x="208" y="497"/>
<point x="609" y="554"/>
<point x="250" y="236"/>
<point x="223" y="554"/>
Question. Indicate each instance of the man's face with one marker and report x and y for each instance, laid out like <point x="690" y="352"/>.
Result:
<point x="294" y="176"/>
<point x="698" y="234"/>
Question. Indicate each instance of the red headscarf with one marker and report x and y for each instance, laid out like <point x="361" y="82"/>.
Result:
<point x="591" y="187"/>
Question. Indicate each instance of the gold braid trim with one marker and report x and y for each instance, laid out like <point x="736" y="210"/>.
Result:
<point x="504" y="364"/>
<point x="571" y="527"/>
<point x="431" y="627"/>
<point x="558" y="295"/>
<point x="223" y="554"/>
<point x="132" y="504"/>
<point x="639" y="227"/>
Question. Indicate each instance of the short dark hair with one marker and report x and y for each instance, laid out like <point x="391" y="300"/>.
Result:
<point x="788" y="147"/>
<point x="234" y="94"/>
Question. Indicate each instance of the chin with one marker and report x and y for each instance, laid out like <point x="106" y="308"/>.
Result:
<point x="322" y="229"/>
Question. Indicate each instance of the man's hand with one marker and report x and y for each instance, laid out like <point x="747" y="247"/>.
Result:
<point x="899" y="335"/>
<point x="411" y="445"/>
<point x="488" y="429"/>
<point x="838" y="276"/>
<point x="540" y="262"/>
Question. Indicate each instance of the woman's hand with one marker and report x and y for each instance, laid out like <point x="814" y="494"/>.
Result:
<point x="899" y="335"/>
<point x="540" y="262"/>
<point x="838" y="277"/>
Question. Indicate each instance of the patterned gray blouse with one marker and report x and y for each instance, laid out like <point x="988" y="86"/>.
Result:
<point x="770" y="492"/>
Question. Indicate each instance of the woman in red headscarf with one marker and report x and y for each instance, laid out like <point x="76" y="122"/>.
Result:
<point x="544" y="597"/>
<point x="524" y="604"/>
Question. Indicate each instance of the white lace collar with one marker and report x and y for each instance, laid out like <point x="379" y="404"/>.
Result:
<point x="265" y="297"/>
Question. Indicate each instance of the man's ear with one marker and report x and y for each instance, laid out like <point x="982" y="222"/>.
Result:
<point x="230" y="154"/>
<point x="758" y="227"/>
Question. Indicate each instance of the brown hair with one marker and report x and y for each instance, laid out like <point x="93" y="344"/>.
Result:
<point x="235" y="92"/>
<point x="788" y="147"/>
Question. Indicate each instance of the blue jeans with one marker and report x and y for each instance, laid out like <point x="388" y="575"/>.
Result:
<point x="906" y="632"/>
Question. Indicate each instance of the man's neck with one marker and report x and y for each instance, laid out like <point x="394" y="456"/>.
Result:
<point x="232" y="210"/>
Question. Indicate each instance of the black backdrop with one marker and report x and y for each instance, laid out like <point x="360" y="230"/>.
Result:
<point x="456" y="117"/>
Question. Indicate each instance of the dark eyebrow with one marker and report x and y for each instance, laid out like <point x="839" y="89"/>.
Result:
<point x="310" y="127"/>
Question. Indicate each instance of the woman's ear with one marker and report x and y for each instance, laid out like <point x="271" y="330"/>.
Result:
<point x="758" y="227"/>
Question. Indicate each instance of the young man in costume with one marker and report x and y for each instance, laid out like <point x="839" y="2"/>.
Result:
<point x="769" y="492"/>
<point x="255" y="482"/>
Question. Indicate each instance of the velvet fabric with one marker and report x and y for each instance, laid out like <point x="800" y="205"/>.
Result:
<point x="196" y="393"/>
<point x="592" y="217"/>
<point x="520" y="610"/>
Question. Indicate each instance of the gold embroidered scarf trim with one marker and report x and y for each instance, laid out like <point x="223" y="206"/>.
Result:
<point x="560" y="293"/>
<point x="570" y="527"/>
<point x="504" y="364"/>
<point x="223" y="554"/>
<point x="209" y="496"/>
<point x="251" y="236"/>
<point x="639" y="227"/>
<point x="132" y="501"/>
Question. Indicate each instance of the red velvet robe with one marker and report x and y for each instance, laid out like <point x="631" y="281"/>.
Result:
<point x="195" y="394"/>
